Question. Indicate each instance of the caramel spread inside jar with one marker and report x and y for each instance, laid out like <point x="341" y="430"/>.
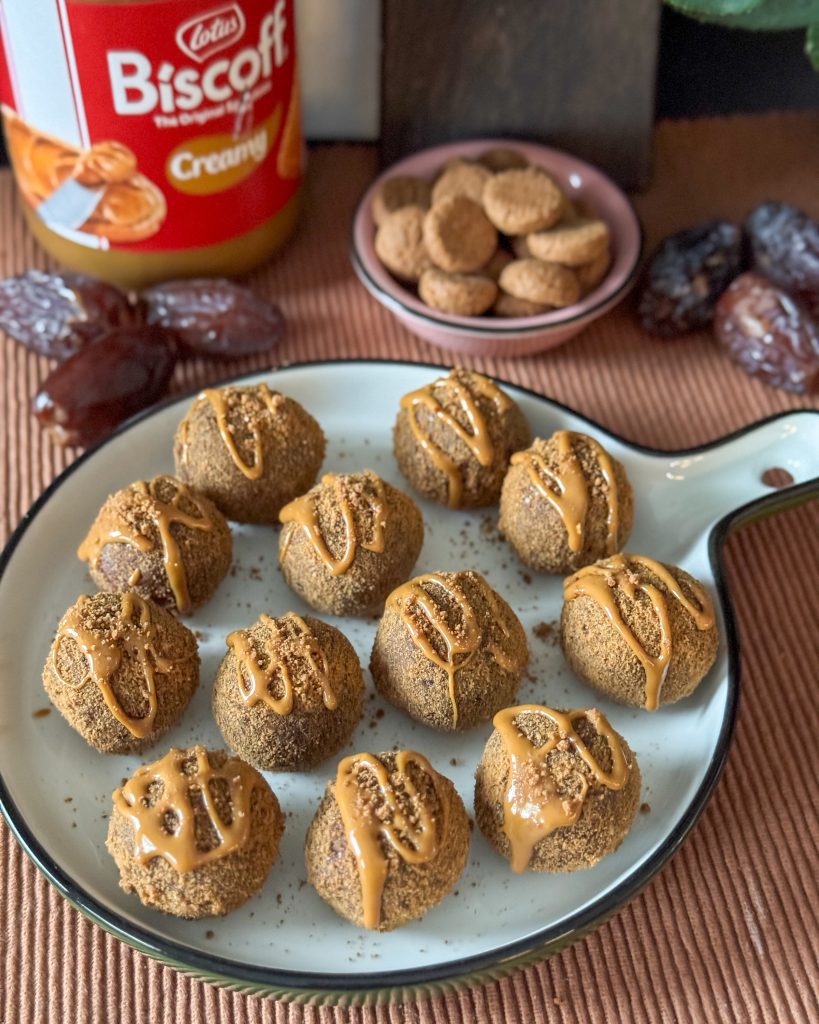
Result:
<point x="475" y="436"/>
<point x="161" y="800"/>
<point x="532" y="806"/>
<point x="197" y="162"/>
<point x="374" y="817"/>
<point x="600" y="581"/>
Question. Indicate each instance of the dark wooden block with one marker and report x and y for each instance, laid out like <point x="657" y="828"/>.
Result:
<point x="576" y="74"/>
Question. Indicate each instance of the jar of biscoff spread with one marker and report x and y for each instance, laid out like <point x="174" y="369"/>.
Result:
<point x="154" y="139"/>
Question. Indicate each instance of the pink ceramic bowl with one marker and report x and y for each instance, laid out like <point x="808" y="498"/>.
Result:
<point x="518" y="336"/>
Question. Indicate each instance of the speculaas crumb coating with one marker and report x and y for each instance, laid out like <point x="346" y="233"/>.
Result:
<point x="410" y="890"/>
<point x="357" y="515"/>
<point x="534" y="526"/>
<point x="449" y="651"/>
<point x="249" y="449"/>
<point x="606" y="814"/>
<point x="462" y="472"/>
<point x="598" y="652"/>
<point x="316" y="673"/>
<point x="180" y="580"/>
<point x="221" y="884"/>
<point x="107" y="643"/>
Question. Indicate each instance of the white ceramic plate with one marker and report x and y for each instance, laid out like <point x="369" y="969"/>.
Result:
<point x="56" y="791"/>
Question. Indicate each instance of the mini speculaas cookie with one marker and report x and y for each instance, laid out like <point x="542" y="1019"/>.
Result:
<point x="395" y="193"/>
<point x="519" y="202"/>
<point x="501" y="158"/>
<point x="592" y="273"/>
<point x="538" y="281"/>
<point x="461" y="178"/>
<point x="572" y="244"/>
<point x="462" y="294"/>
<point x="507" y="305"/>
<point x="458" y="236"/>
<point x="399" y="243"/>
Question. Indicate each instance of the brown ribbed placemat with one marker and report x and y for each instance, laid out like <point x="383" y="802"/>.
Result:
<point x="728" y="931"/>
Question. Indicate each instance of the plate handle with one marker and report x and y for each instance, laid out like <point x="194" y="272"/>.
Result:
<point x="735" y="476"/>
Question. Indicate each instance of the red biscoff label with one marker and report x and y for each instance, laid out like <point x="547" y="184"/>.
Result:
<point x="153" y="126"/>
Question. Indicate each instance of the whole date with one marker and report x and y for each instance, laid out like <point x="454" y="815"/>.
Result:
<point x="58" y="314"/>
<point x="686" y="276"/>
<point x="93" y="391"/>
<point x="769" y="334"/>
<point x="215" y="317"/>
<point x="785" y="247"/>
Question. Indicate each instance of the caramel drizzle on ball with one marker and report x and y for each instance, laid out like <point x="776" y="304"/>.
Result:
<point x="567" y="490"/>
<point x="218" y="402"/>
<point x="477" y="438"/>
<point x="110" y="530"/>
<point x="532" y="806"/>
<point x="601" y="580"/>
<point x="303" y="513"/>
<point x="411" y="595"/>
<point x="368" y="828"/>
<point x="255" y="682"/>
<point x="167" y="828"/>
<point x="139" y="638"/>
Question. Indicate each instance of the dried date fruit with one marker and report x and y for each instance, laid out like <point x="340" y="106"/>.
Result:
<point x="769" y="334"/>
<point x="215" y="317"/>
<point x="785" y="246"/>
<point x="58" y="314"/>
<point x="686" y="276"/>
<point x="85" y="397"/>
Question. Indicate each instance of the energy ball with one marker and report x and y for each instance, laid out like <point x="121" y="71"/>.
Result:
<point x="121" y="671"/>
<point x="565" y="502"/>
<point x="348" y="542"/>
<point x="195" y="833"/>
<point x="289" y="692"/>
<point x="449" y="651"/>
<point x="555" y="790"/>
<point x="389" y="840"/>
<point x="640" y="631"/>
<point x="249" y="450"/>
<point x="454" y="437"/>
<point x="161" y="539"/>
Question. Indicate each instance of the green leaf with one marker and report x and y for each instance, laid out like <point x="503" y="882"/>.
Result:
<point x="713" y="8"/>
<point x="757" y="15"/>
<point x="812" y="45"/>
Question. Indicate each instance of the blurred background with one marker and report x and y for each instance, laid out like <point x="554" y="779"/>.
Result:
<point x="680" y="67"/>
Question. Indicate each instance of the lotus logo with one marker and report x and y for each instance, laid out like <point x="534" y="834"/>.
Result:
<point x="208" y="33"/>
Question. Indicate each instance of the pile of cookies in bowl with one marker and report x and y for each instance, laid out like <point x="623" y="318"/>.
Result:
<point x="491" y="235"/>
<point x="481" y="241"/>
